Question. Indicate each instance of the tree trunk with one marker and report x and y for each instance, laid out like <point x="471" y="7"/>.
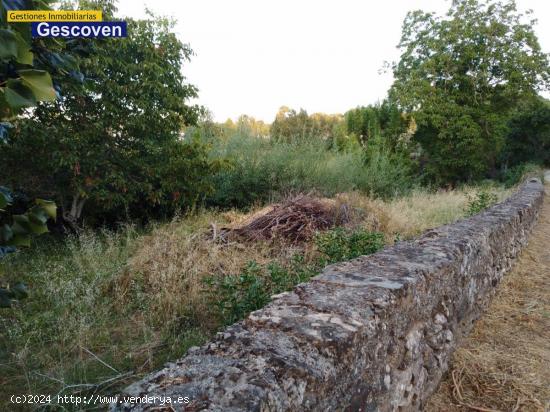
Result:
<point x="72" y="216"/>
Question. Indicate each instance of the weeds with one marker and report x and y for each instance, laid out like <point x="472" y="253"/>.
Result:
<point x="237" y="295"/>
<point x="136" y="299"/>
<point x="338" y="245"/>
<point x="516" y="174"/>
<point x="479" y="202"/>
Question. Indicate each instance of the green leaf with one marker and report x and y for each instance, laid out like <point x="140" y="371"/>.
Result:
<point x="49" y="206"/>
<point x="8" y="45"/>
<point x="38" y="228"/>
<point x="40" y="82"/>
<point x="38" y="216"/>
<point x="18" y="95"/>
<point x="24" y="54"/>
<point x="6" y="112"/>
<point x="20" y="225"/>
<point x="33" y="222"/>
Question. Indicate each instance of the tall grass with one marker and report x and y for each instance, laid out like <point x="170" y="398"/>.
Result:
<point x="77" y="333"/>
<point x="260" y="170"/>
<point x="106" y="307"/>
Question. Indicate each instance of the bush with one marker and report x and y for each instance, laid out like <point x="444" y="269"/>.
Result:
<point x="123" y="155"/>
<point x="338" y="244"/>
<point x="516" y="174"/>
<point x="481" y="201"/>
<point x="261" y="170"/>
<point x="235" y="296"/>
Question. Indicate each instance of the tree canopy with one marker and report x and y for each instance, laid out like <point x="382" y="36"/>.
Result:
<point x="117" y="143"/>
<point x="461" y="75"/>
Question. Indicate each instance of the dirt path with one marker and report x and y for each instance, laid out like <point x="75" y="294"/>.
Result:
<point x="504" y="365"/>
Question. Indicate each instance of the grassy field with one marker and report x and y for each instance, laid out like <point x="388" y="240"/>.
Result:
<point x="107" y="307"/>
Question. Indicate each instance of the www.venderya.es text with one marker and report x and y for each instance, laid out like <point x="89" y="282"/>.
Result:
<point x="97" y="399"/>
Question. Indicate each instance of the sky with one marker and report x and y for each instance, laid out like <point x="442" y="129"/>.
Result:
<point x="254" y="56"/>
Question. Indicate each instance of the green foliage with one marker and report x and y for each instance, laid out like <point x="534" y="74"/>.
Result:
<point x="235" y="296"/>
<point x="12" y="294"/>
<point x="528" y="139"/>
<point x="460" y="77"/>
<point x="258" y="170"/>
<point x="75" y="306"/>
<point x="479" y="202"/>
<point x="16" y="232"/>
<point x="21" y="85"/>
<point x="116" y="145"/>
<point x="240" y="294"/>
<point x="27" y="66"/>
<point x="290" y="125"/>
<point x="387" y="172"/>
<point x="383" y="119"/>
<point x="34" y="221"/>
<point x="340" y="244"/>
<point x="515" y="174"/>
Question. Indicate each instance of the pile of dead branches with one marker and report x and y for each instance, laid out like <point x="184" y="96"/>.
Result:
<point x="297" y="219"/>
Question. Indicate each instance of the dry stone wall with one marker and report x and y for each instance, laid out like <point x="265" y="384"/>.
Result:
<point x="372" y="334"/>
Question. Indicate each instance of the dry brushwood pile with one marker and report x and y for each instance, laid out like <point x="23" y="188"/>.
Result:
<point x="296" y="219"/>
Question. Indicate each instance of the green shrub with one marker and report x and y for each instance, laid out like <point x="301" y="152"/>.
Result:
<point x="516" y="174"/>
<point x="235" y="296"/>
<point x="479" y="202"/>
<point x="339" y="244"/>
<point x="261" y="170"/>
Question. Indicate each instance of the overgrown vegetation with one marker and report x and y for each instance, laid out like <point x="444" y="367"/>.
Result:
<point x="479" y="202"/>
<point x="461" y="77"/>
<point x="135" y="298"/>
<point x="260" y="170"/>
<point x="339" y="245"/>
<point x="115" y="140"/>
<point x="111" y="150"/>
<point x="237" y="295"/>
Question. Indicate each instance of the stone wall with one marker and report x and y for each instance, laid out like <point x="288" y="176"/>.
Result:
<point x="372" y="334"/>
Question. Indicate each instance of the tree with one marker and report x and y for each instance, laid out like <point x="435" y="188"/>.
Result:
<point x="117" y="145"/>
<point x="528" y="139"/>
<point x="461" y="76"/>
<point x="290" y="125"/>
<point x="383" y="119"/>
<point x="250" y="126"/>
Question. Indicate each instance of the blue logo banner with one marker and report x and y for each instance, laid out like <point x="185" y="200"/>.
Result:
<point x="98" y="29"/>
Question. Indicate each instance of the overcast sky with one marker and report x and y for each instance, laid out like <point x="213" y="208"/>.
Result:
<point x="253" y="56"/>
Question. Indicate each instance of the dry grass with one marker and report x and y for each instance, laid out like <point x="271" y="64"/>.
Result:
<point x="137" y="299"/>
<point x="171" y="262"/>
<point x="410" y="215"/>
<point x="505" y="363"/>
